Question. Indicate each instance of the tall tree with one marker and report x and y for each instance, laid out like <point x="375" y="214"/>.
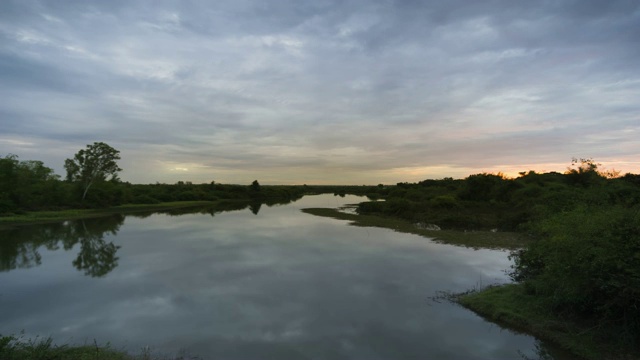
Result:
<point x="95" y="163"/>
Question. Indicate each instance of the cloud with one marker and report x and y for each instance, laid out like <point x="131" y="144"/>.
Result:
<point x="350" y="92"/>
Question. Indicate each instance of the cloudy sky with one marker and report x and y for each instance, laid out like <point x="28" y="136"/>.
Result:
<point x="342" y="92"/>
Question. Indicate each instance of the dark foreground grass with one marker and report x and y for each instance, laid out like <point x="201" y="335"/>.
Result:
<point x="17" y="348"/>
<point x="510" y="306"/>
<point x="472" y="239"/>
<point x="39" y="217"/>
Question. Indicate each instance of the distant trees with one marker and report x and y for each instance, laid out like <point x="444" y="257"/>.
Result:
<point x="25" y="183"/>
<point x="95" y="163"/>
<point x="255" y="186"/>
<point x="8" y="181"/>
<point x="92" y="182"/>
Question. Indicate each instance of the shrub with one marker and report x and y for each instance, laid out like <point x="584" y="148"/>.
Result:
<point x="445" y="202"/>
<point x="145" y="199"/>
<point x="587" y="263"/>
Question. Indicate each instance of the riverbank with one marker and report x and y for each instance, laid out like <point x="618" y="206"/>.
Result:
<point x="40" y="217"/>
<point x="471" y="239"/>
<point x="511" y="307"/>
<point x="16" y="348"/>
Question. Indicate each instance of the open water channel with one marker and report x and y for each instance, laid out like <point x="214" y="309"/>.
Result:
<point x="258" y="283"/>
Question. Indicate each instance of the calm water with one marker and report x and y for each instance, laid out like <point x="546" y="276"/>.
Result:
<point x="279" y="284"/>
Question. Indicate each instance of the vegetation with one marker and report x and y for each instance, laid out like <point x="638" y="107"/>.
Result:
<point x="578" y="276"/>
<point x="95" y="163"/>
<point x="576" y="255"/>
<point x="578" y="279"/>
<point x="28" y="185"/>
<point x="513" y="307"/>
<point x="473" y="239"/>
<point x="39" y="217"/>
<point x="92" y="183"/>
<point x="17" y="348"/>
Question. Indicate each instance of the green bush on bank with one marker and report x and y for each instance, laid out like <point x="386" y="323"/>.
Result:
<point x="586" y="263"/>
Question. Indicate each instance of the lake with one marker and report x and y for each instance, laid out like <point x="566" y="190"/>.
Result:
<point x="256" y="283"/>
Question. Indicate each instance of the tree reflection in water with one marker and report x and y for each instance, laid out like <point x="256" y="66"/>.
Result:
<point x="255" y="207"/>
<point x="97" y="257"/>
<point x="19" y="248"/>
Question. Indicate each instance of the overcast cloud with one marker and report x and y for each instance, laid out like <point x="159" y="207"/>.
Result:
<point x="289" y="91"/>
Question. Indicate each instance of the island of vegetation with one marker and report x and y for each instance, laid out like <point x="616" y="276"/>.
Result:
<point x="574" y="236"/>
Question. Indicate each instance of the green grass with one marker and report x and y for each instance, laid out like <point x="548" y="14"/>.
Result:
<point x="18" y="348"/>
<point x="14" y="348"/>
<point x="472" y="239"/>
<point x="37" y="217"/>
<point x="510" y="306"/>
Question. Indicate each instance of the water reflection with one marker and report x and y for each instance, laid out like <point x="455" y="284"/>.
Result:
<point x="221" y="207"/>
<point x="96" y="257"/>
<point x="255" y="208"/>
<point x="20" y="248"/>
<point x="262" y="282"/>
<point x="544" y="351"/>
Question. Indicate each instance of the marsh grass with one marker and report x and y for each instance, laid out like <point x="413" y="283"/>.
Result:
<point x="471" y="239"/>
<point x="18" y="348"/>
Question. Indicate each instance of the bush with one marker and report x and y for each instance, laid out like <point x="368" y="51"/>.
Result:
<point x="145" y="199"/>
<point x="6" y="206"/>
<point x="587" y="264"/>
<point x="445" y="202"/>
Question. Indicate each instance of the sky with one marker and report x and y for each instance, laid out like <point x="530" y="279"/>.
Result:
<point x="322" y="92"/>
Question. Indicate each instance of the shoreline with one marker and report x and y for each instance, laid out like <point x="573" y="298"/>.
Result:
<point x="43" y="217"/>
<point x="509" y="306"/>
<point x="470" y="239"/>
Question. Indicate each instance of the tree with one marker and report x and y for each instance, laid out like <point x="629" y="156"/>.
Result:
<point x="25" y="184"/>
<point x="255" y="186"/>
<point x="95" y="163"/>
<point x="583" y="172"/>
<point x="8" y="181"/>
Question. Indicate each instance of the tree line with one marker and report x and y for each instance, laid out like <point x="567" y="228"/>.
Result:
<point x="92" y="181"/>
<point x="584" y="259"/>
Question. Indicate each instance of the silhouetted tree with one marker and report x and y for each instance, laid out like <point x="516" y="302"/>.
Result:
<point x="95" y="163"/>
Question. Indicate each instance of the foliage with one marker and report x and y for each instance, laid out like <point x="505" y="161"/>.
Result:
<point x="583" y="172"/>
<point x="31" y="186"/>
<point x="587" y="264"/>
<point x="584" y="261"/>
<point x="26" y="184"/>
<point x="95" y="163"/>
<point x="472" y="239"/>
<point x="18" y="348"/>
<point x="255" y="186"/>
<point x="511" y="306"/>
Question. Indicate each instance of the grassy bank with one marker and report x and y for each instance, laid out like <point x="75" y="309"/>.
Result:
<point x="37" y="217"/>
<point x="17" y="348"/>
<point x="472" y="239"/>
<point x="510" y="306"/>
